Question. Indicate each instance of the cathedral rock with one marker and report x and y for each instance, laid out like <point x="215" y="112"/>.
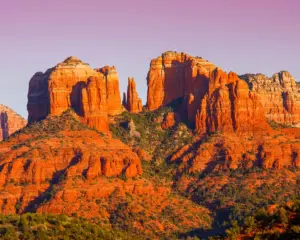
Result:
<point x="211" y="99"/>
<point x="92" y="93"/>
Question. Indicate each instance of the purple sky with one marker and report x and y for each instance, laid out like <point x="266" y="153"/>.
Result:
<point x="239" y="35"/>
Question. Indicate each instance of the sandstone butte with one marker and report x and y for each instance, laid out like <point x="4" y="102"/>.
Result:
<point x="133" y="103"/>
<point x="279" y="95"/>
<point x="92" y="93"/>
<point x="10" y="122"/>
<point x="58" y="165"/>
<point x="211" y="99"/>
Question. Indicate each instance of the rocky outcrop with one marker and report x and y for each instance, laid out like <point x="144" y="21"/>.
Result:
<point x="211" y="99"/>
<point x="39" y="158"/>
<point x="92" y="93"/>
<point x="173" y="75"/>
<point x="133" y="103"/>
<point x="279" y="95"/>
<point x="232" y="151"/>
<point x="229" y="106"/>
<point x="10" y="122"/>
<point x="170" y="120"/>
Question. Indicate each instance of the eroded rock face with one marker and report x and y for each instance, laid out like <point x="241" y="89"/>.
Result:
<point x="133" y="103"/>
<point x="33" y="162"/>
<point x="172" y="75"/>
<point x="279" y="95"/>
<point x="232" y="151"/>
<point x="92" y="93"/>
<point x="10" y="122"/>
<point x="211" y="99"/>
<point x="230" y="106"/>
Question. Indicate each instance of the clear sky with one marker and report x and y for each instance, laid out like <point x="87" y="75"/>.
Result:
<point x="257" y="36"/>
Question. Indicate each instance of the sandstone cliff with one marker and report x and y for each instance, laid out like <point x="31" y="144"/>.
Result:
<point x="10" y="122"/>
<point x="173" y="75"/>
<point x="279" y="95"/>
<point x="92" y="93"/>
<point x="211" y="99"/>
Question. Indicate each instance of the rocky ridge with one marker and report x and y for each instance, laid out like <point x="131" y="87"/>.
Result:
<point x="279" y="95"/>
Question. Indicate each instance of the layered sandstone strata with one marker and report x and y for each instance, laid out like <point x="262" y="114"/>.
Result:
<point x="231" y="151"/>
<point x="51" y="152"/>
<point x="229" y="106"/>
<point x="92" y="93"/>
<point x="10" y="122"/>
<point x="211" y="99"/>
<point x="172" y="75"/>
<point x="279" y="95"/>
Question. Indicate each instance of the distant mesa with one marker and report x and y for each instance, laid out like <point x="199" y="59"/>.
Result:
<point x="279" y="95"/>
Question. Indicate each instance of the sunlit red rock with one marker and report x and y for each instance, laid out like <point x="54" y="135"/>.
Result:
<point x="279" y="95"/>
<point x="211" y="99"/>
<point x="92" y="93"/>
<point x="10" y="122"/>
<point x="133" y="102"/>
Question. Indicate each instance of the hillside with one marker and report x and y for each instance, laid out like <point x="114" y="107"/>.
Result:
<point x="60" y="165"/>
<point x="203" y="155"/>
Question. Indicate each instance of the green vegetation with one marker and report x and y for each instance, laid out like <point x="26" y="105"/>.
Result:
<point x="283" y="223"/>
<point x="276" y="125"/>
<point x="46" y="227"/>
<point x="51" y="126"/>
<point x="160" y="143"/>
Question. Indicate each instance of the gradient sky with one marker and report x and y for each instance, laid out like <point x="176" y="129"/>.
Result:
<point x="257" y="36"/>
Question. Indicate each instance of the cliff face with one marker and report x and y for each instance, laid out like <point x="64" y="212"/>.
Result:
<point x="173" y="75"/>
<point x="93" y="94"/>
<point x="212" y="100"/>
<point x="10" y="122"/>
<point x="229" y="106"/>
<point x="279" y="95"/>
<point x="133" y="103"/>
<point x="231" y="151"/>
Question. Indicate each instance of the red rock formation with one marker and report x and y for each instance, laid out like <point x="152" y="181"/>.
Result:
<point x="133" y="103"/>
<point x="10" y="122"/>
<point x="34" y="160"/>
<point x="213" y="99"/>
<point x="174" y="74"/>
<point x="230" y="151"/>
<point x="279" y="95"/>
<point x="169" y="120"/>
<point x="93" y="94"/>
<point x="230" y="106"/>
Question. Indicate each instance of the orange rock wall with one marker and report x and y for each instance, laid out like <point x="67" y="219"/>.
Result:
<point x="279" y="95"/>
<point x="212" y="99"/>
<point x="92" y="93"/>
